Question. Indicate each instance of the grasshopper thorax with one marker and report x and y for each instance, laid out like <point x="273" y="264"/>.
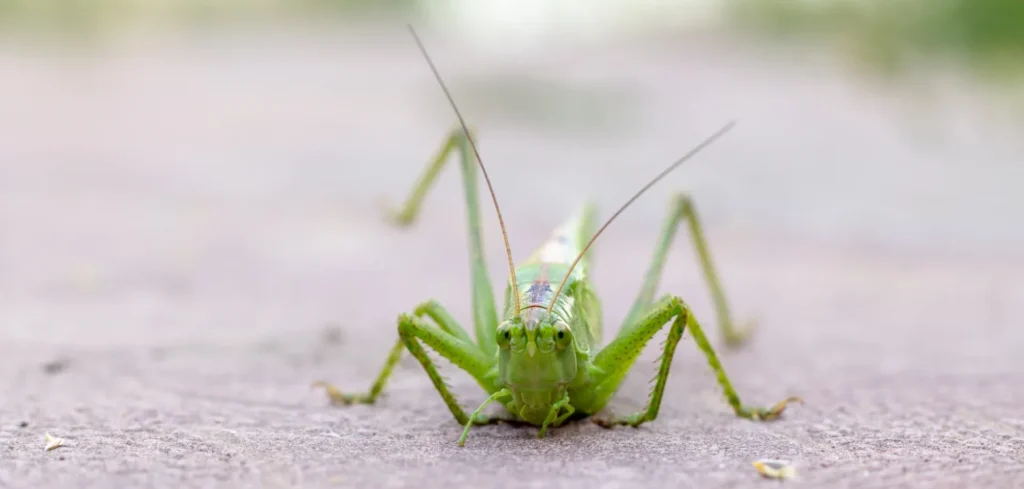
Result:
<point x="536" y="361"/>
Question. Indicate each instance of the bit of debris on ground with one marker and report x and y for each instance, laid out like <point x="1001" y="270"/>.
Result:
<point x="55" y="367"/>
<point x="53" y="442"/>
<point x="775" y="469"/>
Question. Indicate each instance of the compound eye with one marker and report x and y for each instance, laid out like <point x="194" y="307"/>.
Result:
<point x="563" y="336"/>
<point x="504" y="335"/>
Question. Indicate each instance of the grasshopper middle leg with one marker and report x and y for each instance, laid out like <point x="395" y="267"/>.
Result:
<point x="415" y="333"/>
<point x="617" y="358"/>
<point x="431" y="309"/>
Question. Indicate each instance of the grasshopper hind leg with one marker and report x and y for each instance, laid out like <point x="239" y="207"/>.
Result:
<point x="484" y="314"/>
<point x="682" y="209"/>
<point x="485" y="317"/>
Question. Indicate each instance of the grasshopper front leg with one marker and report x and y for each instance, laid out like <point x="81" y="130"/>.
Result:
<point x="553" y="418"/>
<point x="476" y="418"/>
<point x="683" y="209"/>
<point x="615" y="360"/>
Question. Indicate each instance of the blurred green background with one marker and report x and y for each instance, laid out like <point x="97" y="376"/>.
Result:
<point x="986" y="36"/>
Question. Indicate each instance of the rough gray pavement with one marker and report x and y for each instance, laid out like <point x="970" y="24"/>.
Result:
<point x="190" y="236"/>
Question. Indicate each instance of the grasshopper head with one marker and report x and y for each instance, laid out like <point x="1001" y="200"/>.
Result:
<point x="537" y="360"/>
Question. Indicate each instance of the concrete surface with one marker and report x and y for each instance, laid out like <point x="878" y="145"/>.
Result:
<point x="189" y="239"/>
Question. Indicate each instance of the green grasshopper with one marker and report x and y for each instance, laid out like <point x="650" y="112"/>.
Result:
<point x="542" y="359"/>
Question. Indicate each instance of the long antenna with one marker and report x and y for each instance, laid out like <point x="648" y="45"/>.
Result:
<point x="465" y="129"/>
<point x="668" y="170"/>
